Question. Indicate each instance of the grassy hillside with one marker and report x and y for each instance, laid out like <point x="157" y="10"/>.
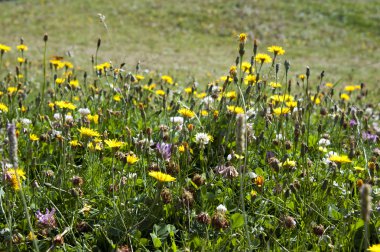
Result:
<point x="197" y="38"/>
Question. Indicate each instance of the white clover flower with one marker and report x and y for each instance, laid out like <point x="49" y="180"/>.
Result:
<point x="251" y="113"/>
<point x="368" y="111"/>
<point x="324" y="142"/>
<point x="202" y="138"/>
<point x="280" y="137"/>
<point x="176" y="120"/>
<point x="207" y="100"/>
<point x="326" y="159"/>
<point x="25" y="121"/>
<point x="132" y="175"/>
<point x="221" y="209"/>
<point x="229" y="157"/>
<point x="84" y="111"/>
<point x="57" y="116"/>
<point x="252" y="175"/>
<point x="69" y="118"/>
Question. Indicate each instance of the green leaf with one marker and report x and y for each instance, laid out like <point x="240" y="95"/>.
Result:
<point x="357" y="225"/>
<point x="334" y="212"/>
<point x="237" y="220"/>
<point x="156" y="241"/>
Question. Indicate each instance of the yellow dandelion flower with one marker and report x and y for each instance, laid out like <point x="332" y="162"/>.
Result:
<point x="345" y="97"/>
<point x="74" y="84"/>
<point x="132" y="158"/>
<point x="224" y="78"/>
<point x="4" y="48"/>
<point x="246" y="66"/>
<point x="104" y="66"/>
<point x="65" y="105"/>
<point x="281" y="111"/>
<point x="340" y="159"/>
<point x="281" y="98"/>
<point x="75" y="143"/>
<point x="201" y="95"/>
<point x="15" y="177"/>
<point x="275" y="85"/>
<point x="31" y="236"/>
<point x="231" y="95"/>
<point x="51" y="105"/>
<point x="20" y="60"/>
<point x="188" y="90"/>
<point x="250" y="79"/>
<point x="302" y="77"/>
<point x="57" y="63"/>
<point x="139" y="77"/>
<point x="114" y="143"/>
<point x="160" y="92"/>
<point x="11" y="90"/>
<point x="117" y="97"/>
<point x="162" y="177"/>
<point x="263" y="58"/>
<point x="288" y="163"/>
<point x="314" y="99"/>
<point x="59" y="81"/>
<point x="150" y="87"/>
<point x="94" y="146"/>
<point x="33" y="137"/>
<point x="68" y="64"/>
<point x="204" y="113"/>
<point x="374" y="248"/>
<point x="233" y="70"/>
<point x="235" y="109"/>
<point x="291" y="104"/>
<point x="93" y="118"/>
<point x="329" y="85"/>
<point x="3" y="107"/>
<point x="22" y="48"/>
<point x="181" y="148"/>
<point x="243" y="37"/>
<point x="276" y="50"/>
<point x="215" y="113"/>
<point x="168" y="79"/>
<point x="259" y="181"/>
<point x="186" y="112"/>
<point x="88" y="132"/>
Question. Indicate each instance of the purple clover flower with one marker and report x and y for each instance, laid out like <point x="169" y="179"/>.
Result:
<point x="369" y="137"/>
<point x="46" y="220"/>
<point x="353" y="123"/>
<point x="165" y="150"/>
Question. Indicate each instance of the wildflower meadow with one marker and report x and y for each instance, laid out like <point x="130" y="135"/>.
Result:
<point x="107" y="157"/>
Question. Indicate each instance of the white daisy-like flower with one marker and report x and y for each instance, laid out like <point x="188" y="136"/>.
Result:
<point x="221" y="208"/>
<point x="202" y="138"/>
<point x="176" y="120"/>
<point x="84" y="111"/>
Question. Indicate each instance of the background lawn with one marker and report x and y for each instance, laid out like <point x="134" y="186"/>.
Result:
<point x="196" y="39"/>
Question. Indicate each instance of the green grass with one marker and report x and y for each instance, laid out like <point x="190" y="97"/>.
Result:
<point x="197" y="38"/>
<point x="283" y="176"/>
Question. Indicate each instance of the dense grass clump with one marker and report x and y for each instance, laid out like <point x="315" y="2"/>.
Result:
<point x="110" y="158"/>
